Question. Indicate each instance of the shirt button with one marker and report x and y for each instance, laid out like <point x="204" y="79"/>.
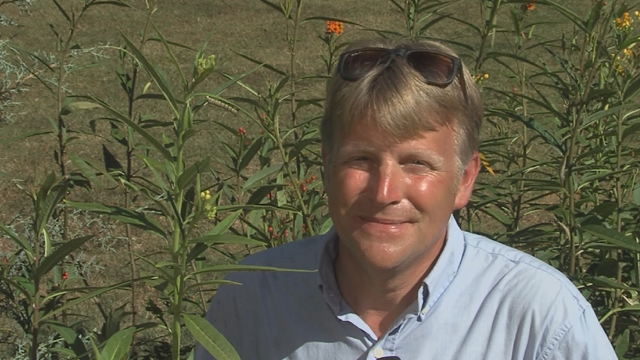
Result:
<point x="378" y="352"/>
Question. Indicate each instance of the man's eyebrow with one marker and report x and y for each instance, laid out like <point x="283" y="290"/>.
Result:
<point x="433" y="156"/>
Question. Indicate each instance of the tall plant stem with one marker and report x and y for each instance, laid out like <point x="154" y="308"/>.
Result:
<point x="35" y="328"/>
<point x="567" y="174"/>
<point x="129" y="175"/>
<point x="292" y="66"/>
<point x="283" y="154"/>
<point x="62" y="133"/>
<point x="485" y="34"/>
<point x="619" y="202"/>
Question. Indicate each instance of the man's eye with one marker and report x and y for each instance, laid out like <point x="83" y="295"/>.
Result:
<point x="419" y="163"/>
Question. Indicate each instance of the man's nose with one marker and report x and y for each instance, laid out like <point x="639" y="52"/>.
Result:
<point x="388" y="184"/>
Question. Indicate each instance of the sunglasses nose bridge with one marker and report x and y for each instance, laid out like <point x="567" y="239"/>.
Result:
<point x="397" y="52"/>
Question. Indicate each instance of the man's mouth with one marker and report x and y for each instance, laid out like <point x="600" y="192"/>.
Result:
<point x="383" y="220"/>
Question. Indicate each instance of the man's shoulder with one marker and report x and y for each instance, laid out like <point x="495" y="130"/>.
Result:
<point x="298" y="254"/>
<point x="524" y="270"/>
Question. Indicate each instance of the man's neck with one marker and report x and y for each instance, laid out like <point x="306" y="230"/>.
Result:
<point x="380" y="296"/>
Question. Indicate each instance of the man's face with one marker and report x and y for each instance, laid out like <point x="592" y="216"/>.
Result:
<point x="390" y="202"/>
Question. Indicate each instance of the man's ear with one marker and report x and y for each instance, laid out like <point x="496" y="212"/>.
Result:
<point x="466" y="181"/>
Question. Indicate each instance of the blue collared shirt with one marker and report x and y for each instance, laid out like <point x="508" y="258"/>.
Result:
<point x="481" y="300"/>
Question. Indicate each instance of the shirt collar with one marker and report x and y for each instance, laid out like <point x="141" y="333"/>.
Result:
<point x="435" y="283"/>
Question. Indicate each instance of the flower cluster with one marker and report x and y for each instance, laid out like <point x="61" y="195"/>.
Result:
<point x="205" y="195"/>
<point x="205" y="64"/>
<point x="530" y="6"/>
<point x="624" y="22"/>
<point x="480" y="78"/>
<point x="242" y="131"/>
<point x="334" y="28"/>
<point x="209" y="209"/>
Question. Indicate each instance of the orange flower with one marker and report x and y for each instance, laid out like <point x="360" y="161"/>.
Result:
<point x="334" y="27"/>
<point x="530" y="6"/>
<point x="624" y="23"/>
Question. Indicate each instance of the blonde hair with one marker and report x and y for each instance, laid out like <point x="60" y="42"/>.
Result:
<point x="397" y="100"/>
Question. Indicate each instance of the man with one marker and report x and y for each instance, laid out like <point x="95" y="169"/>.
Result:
<point x="397" y="278"/>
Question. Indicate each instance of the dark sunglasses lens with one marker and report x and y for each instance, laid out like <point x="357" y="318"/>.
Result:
<point x="435" y="68"/>
<point x="356" y="64"/>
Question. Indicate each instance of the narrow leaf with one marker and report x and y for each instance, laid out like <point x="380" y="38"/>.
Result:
<point x="118" y="345"/>
<point x="613" y="237"/>
<point x="127" y="216"/>
<point x="210" y="338"/>
<point x="20" y="241"/>
<point x="226" y="239"/>
<point x="122" y="118"/>
<point x="59" y="254"/>
<point x="157" y="76"/>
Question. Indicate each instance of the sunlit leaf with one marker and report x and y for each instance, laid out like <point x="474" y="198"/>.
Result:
<point x="117" y="347"/>
<point x="210" y="338"/>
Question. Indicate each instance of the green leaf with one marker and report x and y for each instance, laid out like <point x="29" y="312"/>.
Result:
<point x="328" y="18"/>
<point x="284" y="207"/>
<point x="47" y="198"/>
<point x="632" y="89"/>
<point x="85" y="169"/>
<point x="622" y="344"/>
<point x="613" y="237"/>
<point x="631" y="130"/>
<point x="189" y="175"/>
<point x="262" y="63"/>
<point x="175" y="62"/>
<point x="68" y="334"/>
<point x="157" y="76"/>
<point x="212" y="282"/>
<point x="209" y="337"/>
<point x="250" y="154"/>
<point x="127" y="216"/>
<point x="117" y="347"/>
<point x="235" y="267"/>
<point x="608" y="283"/>
<point x="58" y="255"/>
<point x="568" y="14"/>
<point x="137" y="128"/>
<point x="19" y="240"/>
<point x="224" y="224"/>
<point x="27" y="135"/>
<point x="594" y="16"/>
<point x="112" y="3"/>
<point x="63" y="12"/>
<point x="216" y="92"/>
<point x="226" y="239"/>
<point x="204" y="242"/>
<point x="71" y="303"/>
<point x="22" y="285"/>
<point x="604" y="113"/>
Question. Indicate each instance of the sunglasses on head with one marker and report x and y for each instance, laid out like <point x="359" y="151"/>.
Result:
<point x="437" y="68"/>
